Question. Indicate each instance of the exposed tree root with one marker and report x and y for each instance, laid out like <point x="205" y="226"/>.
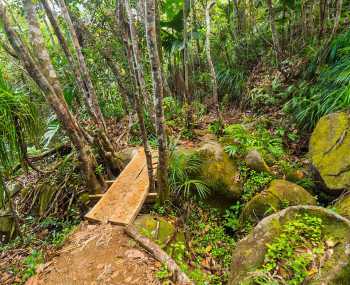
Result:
<point x="178" y="275"/>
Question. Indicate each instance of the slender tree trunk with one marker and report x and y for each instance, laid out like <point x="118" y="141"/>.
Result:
<point x="64" y="45"/>
<point x="232" y="28"/>
<point x="94" y="107"/>
<point x="134" y="51"/>
<point x="45" y="76"/>
<point x="123" y="33"/>
<point x="323" y="53"/>
<point x="157" y="78"/>
<point x="275" y="39"/>
<point x="124" y="92"/>
<point x="337" y="17"/>
<point x="107" y="148"/>
<point x="8" y="49"/>
<point x="187" y="97"/>
<point x="303" y="20"/>
<point x="141" y="92"/>
<point x="322" y="6"/>
<point x="210" y="62"/>
<point x="49" y="31"/>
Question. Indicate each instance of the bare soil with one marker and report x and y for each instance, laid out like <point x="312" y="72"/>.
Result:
<point x="98" y="255"/>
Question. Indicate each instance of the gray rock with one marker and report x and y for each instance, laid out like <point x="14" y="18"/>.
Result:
<point x="255" y="161"/>
<point x="249" y="253"/>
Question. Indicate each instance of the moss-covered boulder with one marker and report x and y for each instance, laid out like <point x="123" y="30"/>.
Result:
<point x="158" y="229"/>
<point x="219" y="172"/>
<point x="280" y="194"/>
<point x="342" y="207"/>
<point x="329" y="265"/>
<point x="255" y="161"/>
<point x="7" y="226"/>
<point x="330" y="151"/>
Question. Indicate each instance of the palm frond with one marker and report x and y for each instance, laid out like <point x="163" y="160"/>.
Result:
<point x="331" y="92"/>
<point x="184" y="170"/>
<point x="18" y="120"/>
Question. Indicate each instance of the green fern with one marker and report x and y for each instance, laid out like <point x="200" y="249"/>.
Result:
<point x="18" y="123"/>
<point x="18" y="119"/>
<point x="330" y="93"/>
<point x="184" y="170"/>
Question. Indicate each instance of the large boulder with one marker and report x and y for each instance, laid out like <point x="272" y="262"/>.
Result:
<point x="219" y="172"/>
<point x="255" y="161"/>
<point x="332" y="265"/>
<point x="330" y="151"/>
<point x="280" y="194"/>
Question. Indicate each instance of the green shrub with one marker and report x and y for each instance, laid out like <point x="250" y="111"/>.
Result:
<point x="31" y="262"/>
<point x="183" y="168"/>
<point x="260" y="139"/>
<point x="284" y="253"/>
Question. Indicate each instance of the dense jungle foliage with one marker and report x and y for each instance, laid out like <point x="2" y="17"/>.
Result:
<point x="245" y="104"/>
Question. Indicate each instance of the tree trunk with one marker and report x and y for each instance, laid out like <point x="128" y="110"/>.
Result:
<point x="275" y="41"/>
<point x="124" y="92"/>
<point x="157" y="78"/>
<point x="64" y="45"/>
<point x="136" y="55"/>
<point x="92" y="101"/>
<point x="124" y="34"/>
<point x="51" y="88"/>
<point x="322" y="6"/>
<point x="210" y="62"/>
<point x="337" y="17"/>
<point x="141" y="92"/>
<point x="107" y="148"/>
<point x="187" y="99"/>
<point x="49" y="31"/>
<point x="238" y="17"/>
<point x="324" y="51"/>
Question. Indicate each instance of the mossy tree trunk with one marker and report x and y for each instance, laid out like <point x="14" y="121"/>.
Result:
<point x="124" y="92"/>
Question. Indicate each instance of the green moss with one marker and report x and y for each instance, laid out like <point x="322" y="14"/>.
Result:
<point x="7" y="226"/>
<point x="342" y="207"/>
<point x="306" y="228"/>
<point x="279" y="195"/>
<point x="46" y="195"/>
<point x="219" y="172"/>
<point x="330" y="150"/>
<point x="158" y="229"/>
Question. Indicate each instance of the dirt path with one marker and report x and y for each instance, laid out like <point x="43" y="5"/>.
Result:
<point x="99" y="255"/>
